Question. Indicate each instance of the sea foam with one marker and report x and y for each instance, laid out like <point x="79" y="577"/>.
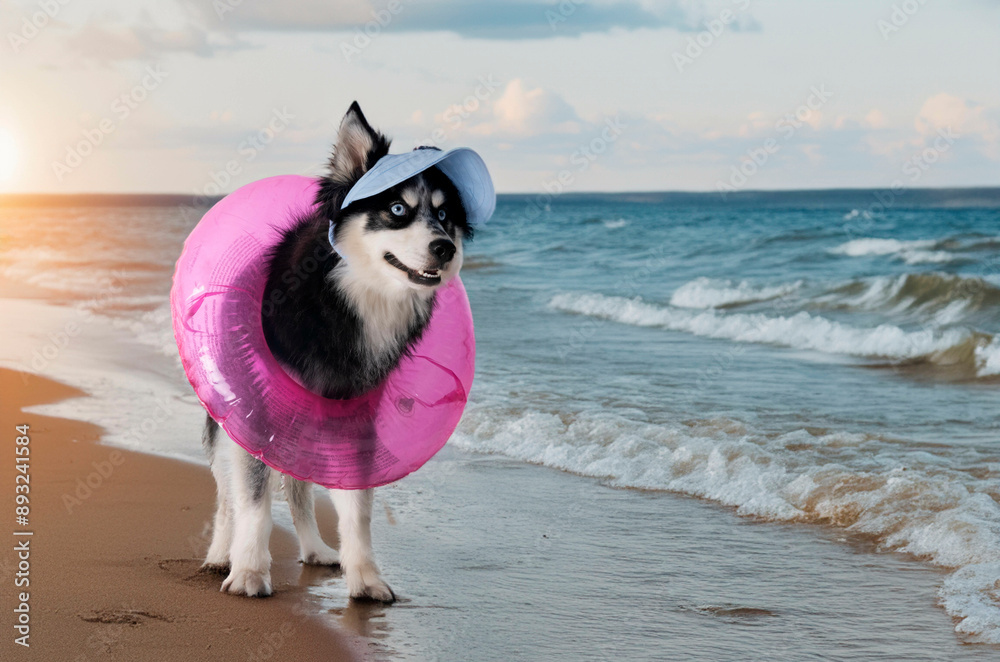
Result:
<point x="800" y="330"/>
<point x="904" y="496"/>
<point x="912" y="252"/>
<point x="988" y="358"/>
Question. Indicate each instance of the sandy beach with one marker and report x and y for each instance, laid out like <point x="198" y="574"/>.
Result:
<point x="115" y="554"/>
<point x="492" y="559"/>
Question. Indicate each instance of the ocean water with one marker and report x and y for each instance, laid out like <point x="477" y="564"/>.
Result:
<point x="814" y="359"/>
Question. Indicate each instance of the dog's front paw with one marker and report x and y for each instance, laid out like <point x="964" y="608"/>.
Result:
<point x="365" y="583"/>
<point x="324" y="555"/>
<point x="252" y="583"/>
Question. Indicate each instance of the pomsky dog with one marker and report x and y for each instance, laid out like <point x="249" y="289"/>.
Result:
<point x="340" y="332"/>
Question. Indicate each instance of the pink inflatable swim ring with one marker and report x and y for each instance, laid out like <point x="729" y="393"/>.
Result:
<point x="216" y="303"/>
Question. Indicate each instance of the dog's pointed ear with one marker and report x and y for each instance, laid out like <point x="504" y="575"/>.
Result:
<point x="358" y="147"/>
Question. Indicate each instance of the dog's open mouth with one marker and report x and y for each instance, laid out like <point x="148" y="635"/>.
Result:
<point x="418" y="276"/>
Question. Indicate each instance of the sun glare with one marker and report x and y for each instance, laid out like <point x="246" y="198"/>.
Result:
<point x="8" y="155"/>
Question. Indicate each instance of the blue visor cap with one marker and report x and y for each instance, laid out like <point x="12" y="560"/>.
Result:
<point x="462" y="166"/>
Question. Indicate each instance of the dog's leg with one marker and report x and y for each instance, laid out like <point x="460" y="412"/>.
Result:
<point x="354" y="514"/>
<point x="217" y="558"/>
<point x="312" y="549"/>
<point x="251" y="503"/>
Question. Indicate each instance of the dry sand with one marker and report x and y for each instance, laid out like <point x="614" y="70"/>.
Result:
<point x="114" y="565"/>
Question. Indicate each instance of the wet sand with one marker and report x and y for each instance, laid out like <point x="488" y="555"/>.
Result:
<point x="114" y="564"/>
<point x="502" y="560"/>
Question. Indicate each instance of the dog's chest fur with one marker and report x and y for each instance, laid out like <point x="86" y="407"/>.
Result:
<point x="386" y="315"/>
<point x="339" y="333"/>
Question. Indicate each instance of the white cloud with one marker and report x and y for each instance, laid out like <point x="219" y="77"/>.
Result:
<point x="875" y="119"/>
<point x="946" y="111"/>
<point x="525" y="112"/>
<point x="756" y="123"/>
<point x="114" y="42"/>
<point x="515" y="112"/>
<point x="973" y="124"/>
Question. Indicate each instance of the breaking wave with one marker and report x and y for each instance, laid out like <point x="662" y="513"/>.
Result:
<point x="800" y="330"/>
<point x="933" y="296"/>
<point x="908" y="497"/>
<point x="917" y="251"/>
<point x="937" y="296"/>
<point x="708" y="293"/>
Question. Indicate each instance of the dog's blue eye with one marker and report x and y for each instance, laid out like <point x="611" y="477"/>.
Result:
<point x="398" y="209"/>
<point x="441" y="215"/>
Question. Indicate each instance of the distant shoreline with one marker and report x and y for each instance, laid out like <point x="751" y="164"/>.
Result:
<point x="987" y="197"/>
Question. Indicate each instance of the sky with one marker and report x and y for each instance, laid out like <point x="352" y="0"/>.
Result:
<point x="202" y="96"/>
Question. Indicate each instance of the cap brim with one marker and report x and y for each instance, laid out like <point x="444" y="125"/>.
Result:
<point x="462" y="166"/>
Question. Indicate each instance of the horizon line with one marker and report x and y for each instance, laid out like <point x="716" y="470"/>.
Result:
<point x="175" y="194"/>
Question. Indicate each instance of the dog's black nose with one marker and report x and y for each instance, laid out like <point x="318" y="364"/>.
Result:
<point x="443" y="249"/>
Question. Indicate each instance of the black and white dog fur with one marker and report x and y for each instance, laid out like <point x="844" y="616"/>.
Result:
<point x="341" y="330"/>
